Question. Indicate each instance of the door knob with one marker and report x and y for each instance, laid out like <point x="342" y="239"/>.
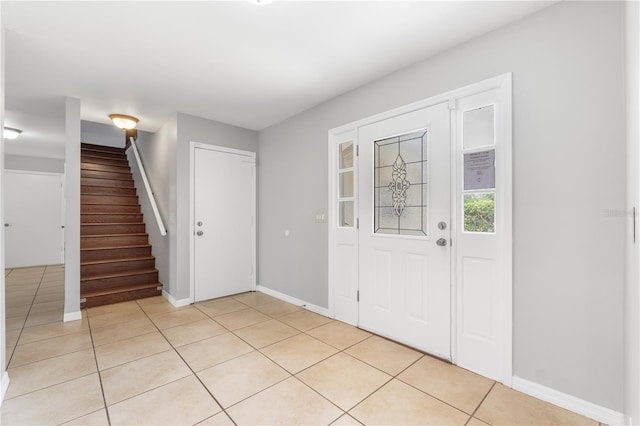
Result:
<point x="6" y="225"/>
<point x="199" y="233"/>
<point x="441" y="242"/>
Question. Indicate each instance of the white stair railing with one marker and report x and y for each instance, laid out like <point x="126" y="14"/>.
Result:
<point x="152" y="199"/>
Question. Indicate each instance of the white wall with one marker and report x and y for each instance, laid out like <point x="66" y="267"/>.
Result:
<point x="195" y="129"/>
<point x="632" y="282"/>
<point x="4" y="378"/>
<point x="72" y="211"/>
<point x="166" y="158"/>
<point x="102" y="134"/>
<point x="33" y="164"/>
<point x="569" y="183"/>
<point x="158" y="154"/>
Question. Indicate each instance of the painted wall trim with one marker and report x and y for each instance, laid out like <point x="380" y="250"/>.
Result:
<point x="175" y="302"/>
<point x="72" y="316"/>
<point x="4" y="385"/>
<point x="561" y="399"/>
<point x="289" y="299"/>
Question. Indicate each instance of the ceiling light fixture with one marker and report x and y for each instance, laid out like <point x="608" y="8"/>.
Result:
<point x="125" y="122"/>
<point x="11" y="133"/>
<point x="260" y="2"/>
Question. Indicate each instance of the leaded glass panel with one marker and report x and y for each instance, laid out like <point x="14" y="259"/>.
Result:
<point x="400" y="184"/>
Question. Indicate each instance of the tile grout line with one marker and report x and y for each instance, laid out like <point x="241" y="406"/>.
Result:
<point x="35" y="293"/>
<point x="95" y="359"/>
<point x="188" y="366"/>
<point x="481" y="402"/>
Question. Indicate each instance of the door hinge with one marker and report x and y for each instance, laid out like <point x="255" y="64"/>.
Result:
<point x="357" y="295"/>
<point x="357" y="223"/>
<point x="357" y="150"/>
<point x="83" y="300"/>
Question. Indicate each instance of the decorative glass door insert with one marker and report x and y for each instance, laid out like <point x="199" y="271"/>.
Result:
<point x="400" y="184"/>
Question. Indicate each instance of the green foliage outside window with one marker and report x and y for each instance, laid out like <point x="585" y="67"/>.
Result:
<point x="479" y="213"/>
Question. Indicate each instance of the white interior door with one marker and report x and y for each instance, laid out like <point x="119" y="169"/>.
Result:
<point x="33" y="219"/>
<point x="404" y="237"/>
<point x="224" y="206"/>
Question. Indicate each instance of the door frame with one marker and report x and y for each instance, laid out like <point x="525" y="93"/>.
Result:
<point x="192" y="224"/>
<point x="336" y="135"/>
<point x="62" y="201"/>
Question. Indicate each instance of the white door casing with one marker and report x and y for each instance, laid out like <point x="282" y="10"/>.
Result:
<point x="223" y="261"/>
<point x="480" y="261"/>
<point x="33" y="218"/>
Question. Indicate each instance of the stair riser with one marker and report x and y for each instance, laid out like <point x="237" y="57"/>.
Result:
<point x="88" y="146"/>
<point x="107" y="229"/>
<point x="116" y="253"/>
<point x="119" y="297"/>
<point x="105" y="168"/>
<point x="107" y="182"/>
<point x="104" y="208"/>
<point x="108" y="199"/>
<point x="103" y="154"/>
<point x="113" y="241"/>
<point x="104" y="175"/>
<point x="88" y="286"/>
<point x="86" y="158"/>
<point x="110" y="218"/>
<point x="106" y="190"/>
<point x="105" y="268"/>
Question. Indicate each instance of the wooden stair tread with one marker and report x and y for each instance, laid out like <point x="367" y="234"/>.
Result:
<point x="109" y="223"/>
<point x="117" y="260"/>
<point x="115" y="247"/>
<point x="122" y="289"/>
<point x="118" y="274"/>
<point x="113" y="235"/>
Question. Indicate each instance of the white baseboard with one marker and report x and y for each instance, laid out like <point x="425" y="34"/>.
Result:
<point x="294" y="301"/>
<point x="72" y="316"/>
<point x="177" y="303"/>
<point x="4" y="385"/>
<point x="577" y="405"/>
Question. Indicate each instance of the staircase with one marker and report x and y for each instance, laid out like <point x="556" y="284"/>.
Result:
<point x="116" y="264"/>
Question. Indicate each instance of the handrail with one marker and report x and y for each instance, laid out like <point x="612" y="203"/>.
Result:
<point x="152" y="200"/>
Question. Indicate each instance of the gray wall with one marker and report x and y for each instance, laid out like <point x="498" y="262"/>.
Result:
<point x="102" y="134"/>
<point x="195" y="129"/>
<point x="632" y="290"/>
<point x="72" y="210"/>
<point x="157" y="152"/>
<point x="569" y="176"/>
<point x="33" y="164"/>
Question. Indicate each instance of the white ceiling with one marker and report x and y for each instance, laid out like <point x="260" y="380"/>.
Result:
<point x="232" y="61"/>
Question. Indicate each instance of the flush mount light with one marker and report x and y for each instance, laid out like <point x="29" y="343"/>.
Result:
<point x="11" y="133"/>
<point x="125" y="122"/>
<point x="260" y="2"/>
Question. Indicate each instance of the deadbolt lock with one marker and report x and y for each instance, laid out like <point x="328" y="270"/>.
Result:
<point x="442" y="226"/>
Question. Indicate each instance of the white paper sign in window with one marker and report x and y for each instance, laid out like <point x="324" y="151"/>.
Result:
<point x="480" y="170"/>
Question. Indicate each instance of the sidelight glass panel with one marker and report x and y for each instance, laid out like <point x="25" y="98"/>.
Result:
<point x="478" y="127"/>
<point x="346" y="214"/>
<point x="346" y="184"/>
<point x="479" y="212"/>
<point x="400" y="184"/>
<point x="345" y="153"/>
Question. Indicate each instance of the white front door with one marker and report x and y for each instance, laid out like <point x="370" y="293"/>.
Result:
<point x="224" y="206"/>
<point x="404" y="237"/>
<point x="33" y="219"/>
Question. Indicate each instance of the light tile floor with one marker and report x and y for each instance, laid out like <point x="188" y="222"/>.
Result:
<point x="246" y="359"/>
